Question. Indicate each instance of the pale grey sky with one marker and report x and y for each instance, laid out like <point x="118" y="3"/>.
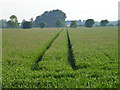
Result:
<point x="74" y="9"/>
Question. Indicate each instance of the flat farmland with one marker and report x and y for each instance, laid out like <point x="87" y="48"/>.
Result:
<point x="60" y="58"/>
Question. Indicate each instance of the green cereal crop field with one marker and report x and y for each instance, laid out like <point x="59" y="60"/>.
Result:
<point x="60" y="58"/>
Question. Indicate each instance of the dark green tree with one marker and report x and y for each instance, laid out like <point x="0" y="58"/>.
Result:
<point x="104" y="22"/>
<point x="59" y="23"/>
<point x="13" y="22"/>
<point x="73" y="24"/>
<point x="42" y="25"/>
<point x="26" y="24"/>
<point x="89" y="23"/>
<point x="13" y="18"/>
<point x="50" y="18"/>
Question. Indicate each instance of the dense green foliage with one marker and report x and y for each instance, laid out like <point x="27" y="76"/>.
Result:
<point x="13" y="22"/>
<point x="26" y="24"/>
<point x="89" y="23"/>
<point x="94" y="49"/>
<point x="50" y="18"/>
<point x="104" y="22"/>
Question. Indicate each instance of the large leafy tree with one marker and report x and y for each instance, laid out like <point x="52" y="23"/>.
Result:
<point x="13" y="22"/>
<point x="73" y="24"/>
<point x="13" y="18"/>
<point x="89" y="23"/>
<point x="50" y="18"/>
<point x="104" y="22"/>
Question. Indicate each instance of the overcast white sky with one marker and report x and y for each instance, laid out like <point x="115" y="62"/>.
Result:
<point x="74" y="9"/>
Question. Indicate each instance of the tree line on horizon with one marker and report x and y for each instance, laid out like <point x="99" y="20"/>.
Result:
<point x="54" y="18"/>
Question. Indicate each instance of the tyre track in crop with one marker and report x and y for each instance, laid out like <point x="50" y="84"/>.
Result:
<point x="36" y="66"/>
<point x="71" y="58"/>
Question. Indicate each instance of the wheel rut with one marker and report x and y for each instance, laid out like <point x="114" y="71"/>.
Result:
<point x="36" y="66"/>
<point x="71" y="58"/>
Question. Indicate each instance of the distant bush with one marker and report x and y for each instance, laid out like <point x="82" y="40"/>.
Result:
<point x="89" y="23"/>
<point x="104" y="22"/>
<point x="26" y="25"/>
